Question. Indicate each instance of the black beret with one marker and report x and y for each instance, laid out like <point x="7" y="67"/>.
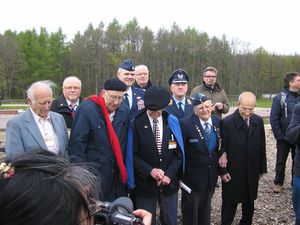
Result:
<point x="178" y="76"/>
<point x="115" y="84"/>
<point x="156" y="98"/>
<point x="128" y="65"/>
<point x="199" y="99"/>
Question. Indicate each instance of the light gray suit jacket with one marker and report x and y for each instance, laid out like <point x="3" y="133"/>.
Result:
<point x="23" y="134"/>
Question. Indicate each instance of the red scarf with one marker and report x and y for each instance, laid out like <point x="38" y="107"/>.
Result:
<point x="114" y="141"/>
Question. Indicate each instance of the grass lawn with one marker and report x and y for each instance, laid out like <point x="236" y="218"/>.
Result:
<point x="13" y="107"/>
<point x="2" y="133"/>
<point x="264" y="103"/>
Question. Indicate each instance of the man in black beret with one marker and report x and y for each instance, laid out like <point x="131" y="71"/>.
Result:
<point x="180" y="104"/>
<point x="133" y="96"/>
<point x="157" y="158"/>
<point x="201" y="142"/>
<point x="99" y="137"/>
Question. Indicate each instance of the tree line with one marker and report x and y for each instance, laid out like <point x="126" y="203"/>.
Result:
<point x="95" y="54"/>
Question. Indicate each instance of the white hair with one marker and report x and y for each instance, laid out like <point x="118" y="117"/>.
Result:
<point x="45" y="84"/>
<point x="71" y="78"/>
<point x="142" y="66"/>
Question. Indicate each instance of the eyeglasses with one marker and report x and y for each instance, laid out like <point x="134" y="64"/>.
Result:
<point x="70" y="88"/>
<point x="212" y="77"/>
<point x="203" y="108"/>
<point x="140" y="74"/>
<point x="247" y="109"/>
<point x="115" y="98"/>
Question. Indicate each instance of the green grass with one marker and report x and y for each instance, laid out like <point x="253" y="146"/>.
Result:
<point x="2" y="133"/>
<point x="13" y="107"/>
<point x="264" y="103"/>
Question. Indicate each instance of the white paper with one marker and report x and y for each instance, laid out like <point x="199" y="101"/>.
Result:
<point x="185" y="187"/>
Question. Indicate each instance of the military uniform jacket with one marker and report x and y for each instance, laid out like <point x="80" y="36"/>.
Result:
<point x="172" y="108"/>
<point x="61" y="106"/>
<point x="246" y="154"/>
<point x="201" y="170"/>
<point x="89" y="142"/>
<point x="146" y="157"/>
<point x="137" y="96"/>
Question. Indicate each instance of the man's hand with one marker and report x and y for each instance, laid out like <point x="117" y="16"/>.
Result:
<point x="223" y="160"/>
<point x="226" y="178"/>
<point x="218" y="106"/>
<point x="145" y="215"/>
<point x="164" y="181"/>
<point x="157" y="174"/>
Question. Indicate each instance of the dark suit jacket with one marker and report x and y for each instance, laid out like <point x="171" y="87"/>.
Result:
<point x="89" y="142"/>
<point x="246" y="154"/>
<point x="172" y="108"/>
<point x="61" y="106"/>
<point x="146" y="157"/>
<point x="201" y="170"/>
<point x="293" y="133"/>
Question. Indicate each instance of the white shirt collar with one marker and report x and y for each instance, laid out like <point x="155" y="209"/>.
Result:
<point x="182" y="101"/>
<point x="36" y="117"/>
<point x="209" y="121"/>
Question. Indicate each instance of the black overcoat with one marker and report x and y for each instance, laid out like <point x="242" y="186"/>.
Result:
<point x="246" y="154"/>
<point x="146" y="157"/>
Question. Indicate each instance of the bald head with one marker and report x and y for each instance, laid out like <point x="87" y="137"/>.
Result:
<point x="246" y="104"/>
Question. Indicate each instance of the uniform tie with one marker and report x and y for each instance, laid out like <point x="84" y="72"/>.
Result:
<point x="207" y="128"/>
<point x="156" y="134"/>
<point x="181" y="112"/>
<point x="126" y="100"/>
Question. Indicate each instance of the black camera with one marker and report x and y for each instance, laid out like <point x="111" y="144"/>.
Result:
<point x="118" y="212"/>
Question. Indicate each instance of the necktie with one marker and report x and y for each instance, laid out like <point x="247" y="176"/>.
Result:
<point x="72" y="107"/>
<point x="181" y="112"/>
<point x="247" y="122"/>
<point x="126" y="100"/>
<point x="207" y="128"/>
<point x="157" y="136"/>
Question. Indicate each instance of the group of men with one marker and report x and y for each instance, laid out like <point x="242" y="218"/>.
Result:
<point x="140" y="139"/>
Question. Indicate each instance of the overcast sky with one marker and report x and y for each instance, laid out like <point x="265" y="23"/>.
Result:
<point x="272" y="24"/>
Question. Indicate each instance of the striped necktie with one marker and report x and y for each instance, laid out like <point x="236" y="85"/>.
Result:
<point x="72" y="107"/>
<point x="156" y="133"/>
<point x="207" y="128"/>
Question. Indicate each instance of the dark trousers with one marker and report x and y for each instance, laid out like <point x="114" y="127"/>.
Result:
<point x="196" y="207"/>
<point x="296" y="198"/>
<point x="229" y="209"/>
<point x="283" y="150"/>
<point x="169" y="212"/>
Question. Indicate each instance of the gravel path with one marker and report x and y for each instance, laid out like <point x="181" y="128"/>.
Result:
<point x="270" y="208"/>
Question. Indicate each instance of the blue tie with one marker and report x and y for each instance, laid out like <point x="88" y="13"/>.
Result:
<point x="207" y="128"/>
<point x="126" y="99"/>
<point x="181" y="112"/>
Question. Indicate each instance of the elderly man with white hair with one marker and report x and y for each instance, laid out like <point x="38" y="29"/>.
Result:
<point x="67" y="103"/>
<point x="142" y="77"/>
<point x="37" y="127"/>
